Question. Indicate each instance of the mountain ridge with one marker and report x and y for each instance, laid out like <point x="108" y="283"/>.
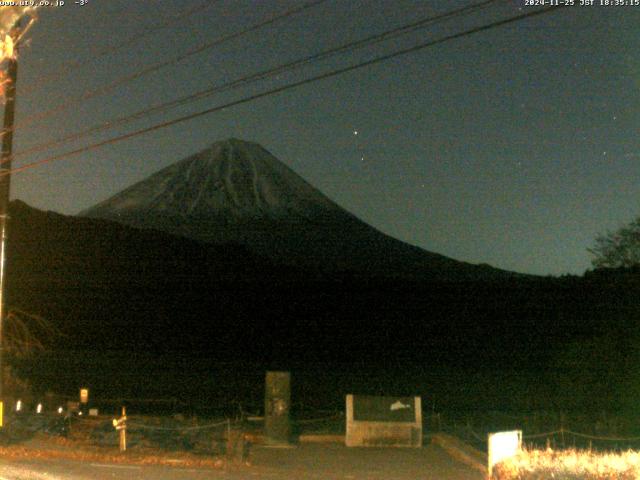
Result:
<point x="230" y="177"/>
<point x="238" y="192"/>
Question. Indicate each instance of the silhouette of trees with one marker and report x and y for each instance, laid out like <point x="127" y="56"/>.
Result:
<point x="24" y="335"/>
<point x="618" y="249"/>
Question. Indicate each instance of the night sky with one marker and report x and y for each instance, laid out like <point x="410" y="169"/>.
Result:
<point x="514" y="146"/>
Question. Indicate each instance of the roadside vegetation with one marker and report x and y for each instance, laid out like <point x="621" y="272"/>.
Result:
<point x="169" y="441"/>
<point x="569" y="465"/>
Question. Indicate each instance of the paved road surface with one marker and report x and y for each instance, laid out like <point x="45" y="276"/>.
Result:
<point x="306" y="462"/>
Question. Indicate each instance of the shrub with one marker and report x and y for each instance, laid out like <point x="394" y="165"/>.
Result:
<point x="569" y="465"/>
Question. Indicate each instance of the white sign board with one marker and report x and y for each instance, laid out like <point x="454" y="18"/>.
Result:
<point x="503" y="445"/>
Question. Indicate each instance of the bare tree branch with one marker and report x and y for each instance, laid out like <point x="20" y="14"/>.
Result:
<point x="26" y="333"/>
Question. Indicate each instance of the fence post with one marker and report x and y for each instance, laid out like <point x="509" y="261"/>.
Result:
<point x="123" y="430"/>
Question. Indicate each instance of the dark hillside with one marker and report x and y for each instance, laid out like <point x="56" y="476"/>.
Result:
<point x="118" y="291"/>
<point x="237" y="192"/>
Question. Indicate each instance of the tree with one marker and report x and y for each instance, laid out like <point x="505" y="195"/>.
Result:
<point x="25" y="333"/>
<point x="24" y="336"/>
<point x="618" y="249"/>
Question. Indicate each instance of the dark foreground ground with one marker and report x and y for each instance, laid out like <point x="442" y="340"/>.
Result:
<point x="325" y="461"/>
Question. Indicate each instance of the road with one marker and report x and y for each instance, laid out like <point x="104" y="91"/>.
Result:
<point x="305" y="462"/>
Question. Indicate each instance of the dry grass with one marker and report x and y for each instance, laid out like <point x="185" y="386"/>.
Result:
<point x="81" y="445"/>
<point x="85" y="454"/>
<point x="570" y="465"/>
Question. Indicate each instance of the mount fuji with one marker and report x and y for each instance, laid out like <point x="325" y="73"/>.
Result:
<point x="237" y="192"/>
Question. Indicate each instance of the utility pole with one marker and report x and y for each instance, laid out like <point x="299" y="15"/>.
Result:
<point x="5" y="184"/>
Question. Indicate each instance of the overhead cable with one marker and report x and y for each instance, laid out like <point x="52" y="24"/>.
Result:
<point x="105" y="89"/>
<point x="283" y="88"/>
<point x="262" y="75"/>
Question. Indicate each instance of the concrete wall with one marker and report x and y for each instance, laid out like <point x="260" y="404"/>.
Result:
<point x="384" y="433"/>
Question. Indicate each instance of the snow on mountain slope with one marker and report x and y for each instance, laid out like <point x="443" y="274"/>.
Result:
<point x="232" y="178"/>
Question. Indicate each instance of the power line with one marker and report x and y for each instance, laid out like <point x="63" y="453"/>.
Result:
<point x="70" y="66"/>
<point x="103" y="90"/>
<point x="274" y="91"/>
<point x="283" y="68"/>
